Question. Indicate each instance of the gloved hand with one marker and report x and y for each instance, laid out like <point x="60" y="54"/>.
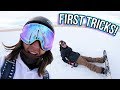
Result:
<point x="75" y="64"/>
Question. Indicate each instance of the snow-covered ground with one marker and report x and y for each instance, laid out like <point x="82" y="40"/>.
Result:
<point x="88" y="42"/>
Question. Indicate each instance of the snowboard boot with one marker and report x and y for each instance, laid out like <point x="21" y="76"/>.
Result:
<point x="104" y="58"/>
<point x="104" y="70"/>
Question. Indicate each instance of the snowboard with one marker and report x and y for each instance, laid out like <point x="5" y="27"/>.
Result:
<point x="108" y="74"/>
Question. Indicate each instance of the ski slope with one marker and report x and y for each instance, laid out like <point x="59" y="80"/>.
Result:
<point x="87" y="42"/>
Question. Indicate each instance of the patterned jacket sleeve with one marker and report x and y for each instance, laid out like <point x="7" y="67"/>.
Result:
<point x="1" y="63"/>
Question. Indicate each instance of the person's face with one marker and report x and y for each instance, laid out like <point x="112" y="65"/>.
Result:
<point x="34" y="48"/>
<point x="63" y="45"/>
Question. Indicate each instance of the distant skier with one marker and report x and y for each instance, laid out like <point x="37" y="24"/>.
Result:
<point x="74" y="59"/>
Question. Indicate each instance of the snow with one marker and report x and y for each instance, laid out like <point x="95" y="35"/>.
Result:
<point x="86" y="41"/>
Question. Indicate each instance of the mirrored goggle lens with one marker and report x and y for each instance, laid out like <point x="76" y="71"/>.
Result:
<point x="34" y="31"/>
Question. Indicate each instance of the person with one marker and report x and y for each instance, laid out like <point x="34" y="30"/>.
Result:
<point x="29" y="58"/>
<point x="75" y="59"/>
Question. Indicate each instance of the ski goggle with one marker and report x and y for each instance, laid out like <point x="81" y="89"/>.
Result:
<point x="34" y="31"/>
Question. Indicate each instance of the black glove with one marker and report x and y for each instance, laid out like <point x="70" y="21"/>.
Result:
<point x="75" y="64"/>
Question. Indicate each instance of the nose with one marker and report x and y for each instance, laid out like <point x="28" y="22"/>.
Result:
<point x="35" y="47"/>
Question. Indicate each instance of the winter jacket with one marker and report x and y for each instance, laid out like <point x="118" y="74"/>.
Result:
<point x="68" y="55"/>
<point x="22" y="71"/>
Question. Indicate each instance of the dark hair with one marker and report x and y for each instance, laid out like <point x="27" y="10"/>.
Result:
<point x="61" y="47"/>
<point x="15" y="50"/>
<point x="60" y="42"/>
<point x="47" y="57"/>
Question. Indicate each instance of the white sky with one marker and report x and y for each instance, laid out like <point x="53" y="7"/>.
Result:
<point x="13" y="19"/>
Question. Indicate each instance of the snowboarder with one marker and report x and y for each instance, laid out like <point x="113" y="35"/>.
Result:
<point x="74" y="58"/>
<point x="30" y="56"/>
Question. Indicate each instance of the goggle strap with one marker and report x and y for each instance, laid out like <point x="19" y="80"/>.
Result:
<point x="30" y="37"/>
<point x="37" y="34"/>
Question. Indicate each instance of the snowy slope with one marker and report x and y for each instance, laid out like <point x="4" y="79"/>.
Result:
<point x="88" y="42"/>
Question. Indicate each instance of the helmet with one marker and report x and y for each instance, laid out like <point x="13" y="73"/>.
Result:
<point x="41" y="20"/>
<point x="38" y="28"/>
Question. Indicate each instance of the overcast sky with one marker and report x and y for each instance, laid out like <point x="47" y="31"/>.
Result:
<point x="13" y="19"/>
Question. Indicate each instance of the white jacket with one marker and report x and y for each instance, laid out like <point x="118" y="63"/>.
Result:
<point x="22" y="71"/>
